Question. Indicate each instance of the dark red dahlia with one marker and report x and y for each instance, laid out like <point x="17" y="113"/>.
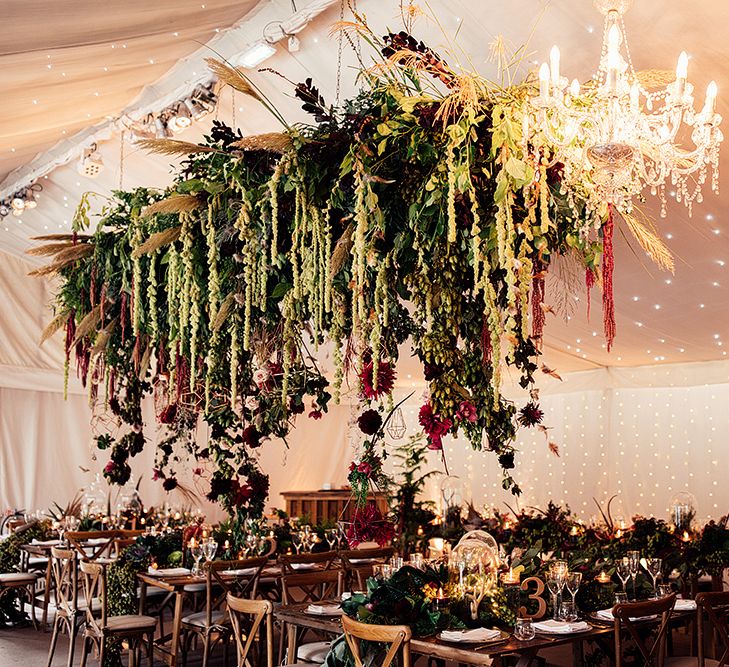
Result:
<point x="385" y="379"/>
<point x="530" y="415"/>
<point x="251" y="436"/>
<point x="369" y="422"/>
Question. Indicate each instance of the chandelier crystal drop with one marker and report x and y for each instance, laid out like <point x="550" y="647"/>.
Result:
<point x="621" y="130"/>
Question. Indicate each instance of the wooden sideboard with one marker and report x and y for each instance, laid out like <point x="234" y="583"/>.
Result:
<point x="332" y="506"/>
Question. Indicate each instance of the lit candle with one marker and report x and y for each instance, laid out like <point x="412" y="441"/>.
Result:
<point x="554" y="65"/>
<point x="575" y="88"/>
<point x="420" y="531"/>
<point x="603" y="577"/>
<point x="686" y="537"/>
<point x="618" y="533"/>
<point x="681" y="74"/>
<point x="510" y="577"/>
<point x="544" y="81"/>
<point x="507" y="524"/>
<point x="205" y="534"/>
<point x="191" y="543"/>
<point x="574" y="531"/>
<point x="142" y="521"/>
<point x="226" y="546"/>
<point x="709" y="105"/>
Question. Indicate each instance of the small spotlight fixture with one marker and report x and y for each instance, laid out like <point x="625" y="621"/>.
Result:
<point x="20" y="201"/>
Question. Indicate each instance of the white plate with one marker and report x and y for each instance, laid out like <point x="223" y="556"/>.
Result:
<point x="328" y="610"/>
<point x="561" y="628"/>
<point x="474" y="639"/>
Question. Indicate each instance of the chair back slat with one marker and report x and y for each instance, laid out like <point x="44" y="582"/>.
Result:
<point x="64" y="571"/>
<point x="311" y="586"/>
<point x="652" y="649"/>
<point x="246" y="617"/>
<point x="714" y="606"/>
<point x="324" y="560"/>
<point x="103" y="542"/>
<point x="94" y="584"/>
<point x="359" y="563"/>
<point x="243" y="584"/>
<point x="397" y="637"/>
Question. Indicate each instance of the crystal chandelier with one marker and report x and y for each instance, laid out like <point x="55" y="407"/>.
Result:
<point x="620" y="131"/>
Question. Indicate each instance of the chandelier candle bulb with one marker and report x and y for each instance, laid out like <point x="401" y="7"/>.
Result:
<point x="681" y="75"/>
<point x="554" y="65"/>
<point x="710" y="104"/>
<point x="634" y="96"/>
<point x="544" y="81"/>
<point x="575" y="88"/>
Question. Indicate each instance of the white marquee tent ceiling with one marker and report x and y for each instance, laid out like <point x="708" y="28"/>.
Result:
<point x="661" y="318"/>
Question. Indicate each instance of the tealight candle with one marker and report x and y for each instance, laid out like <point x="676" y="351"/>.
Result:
<point x="603" y="577"/>
<point x="420" y="531"/>
<point x="442" y="600"/>
<point x="686" y="537"/>
<point x="226" y="546"/>
<point x="510" y="578"/>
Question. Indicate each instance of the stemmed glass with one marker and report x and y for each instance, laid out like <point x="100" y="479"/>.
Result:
<point x="634" y="566"/>
<point x="210" y="548"/>
<point x="297" y="541"/>
<point x="653" y="565"/>
<point x="555" y="583"/>
<point x="252" y="544"/>
<point x="196" y="552"/>
<point x="573" y="581"/>
<point x="330" y="535"/>
<point x="622" y="569"/>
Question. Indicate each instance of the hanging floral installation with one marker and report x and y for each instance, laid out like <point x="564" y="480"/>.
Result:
<point x="414" y="213"/>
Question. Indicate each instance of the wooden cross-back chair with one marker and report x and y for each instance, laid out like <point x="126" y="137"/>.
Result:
<point x="100" y="626"/>
<point x="359" y="564"/>
<point x="652" y="647"/>
<point x="397" y="637"/>
<point x="211" y="624"/>
<point x="64" y="570"/>
<point x="712" y="607"/>
<point x="324" y="560"/>
<point x="246" y="618"/>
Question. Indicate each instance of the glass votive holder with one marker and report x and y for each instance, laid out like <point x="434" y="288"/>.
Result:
<point x="620" y="597"/>
<point x="416" y="560"/>
<point x="568" y="611"/>
<point x="524" y="629"/>
<point x="396" y="562"/>
<point x="664" y="590"/>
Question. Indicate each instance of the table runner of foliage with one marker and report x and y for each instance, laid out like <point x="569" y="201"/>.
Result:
<point x="413" y="213"/>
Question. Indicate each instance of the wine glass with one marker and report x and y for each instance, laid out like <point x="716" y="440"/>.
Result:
<point x="196" y="552"/>
<point x="330" y="535"/>
<point x="555" y="583"/>
<point x="653" y="565"/>
<point x="634" y="566"/>
<point x="210" y="548"/>
<point x="297" y="541"/>
<point x="573" y="581"/>
<point x="251" y="543"/>
<point x="622" y="569"/>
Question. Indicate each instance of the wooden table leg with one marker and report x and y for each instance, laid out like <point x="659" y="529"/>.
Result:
<point x="293" y="644"/>
<point x="176" y="625"/>
<point x="578" y="653"/>
<point x="142" y="596"/>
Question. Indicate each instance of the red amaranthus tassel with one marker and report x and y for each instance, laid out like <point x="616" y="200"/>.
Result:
<point x="608" y="266"/>
<point x="102" y="304"/>
<point x="538" y="317"/>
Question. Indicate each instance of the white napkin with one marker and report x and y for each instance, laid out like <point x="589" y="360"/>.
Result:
<point x="475" y="635"/>
<point x="607" y="615"/>
<point x="324" y="609"/>
<point x="303" y="566"/>
<point x="169" y="572"/>
<point x="561" y="627"/>
<point x="46" y="542"/>
<point x="685" y="605"/>
<point x="245" y="570"/>
<point x="359" y="561"/>
<point x="98" y="540"/>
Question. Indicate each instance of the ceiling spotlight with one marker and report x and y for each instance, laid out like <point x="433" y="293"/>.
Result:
<point x="18" y="203"/>
<point x="30" y="201"/>
<point x="181" y="119"/>
<point x="197" y="110"/>
<point x="255" y="54"/>
<point x="294" y="44"/>
<point x="90" y="164"/>
<point x="4" y="210"/>
<point x="17" y="212"/>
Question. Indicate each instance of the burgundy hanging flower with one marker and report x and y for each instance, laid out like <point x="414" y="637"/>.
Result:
<point x="369" y="422"/>
<point x="315" y="414"/>
<point x="368" y="525"/>
<point x="109" y="467"/>
<point x="169" y="484"/>
<point x="466" y="412"/>
<point x="385" y="380"/>
<point x="251" y="436"/>
<point x="530" y="415"/>
<point x="434" y="426"/>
